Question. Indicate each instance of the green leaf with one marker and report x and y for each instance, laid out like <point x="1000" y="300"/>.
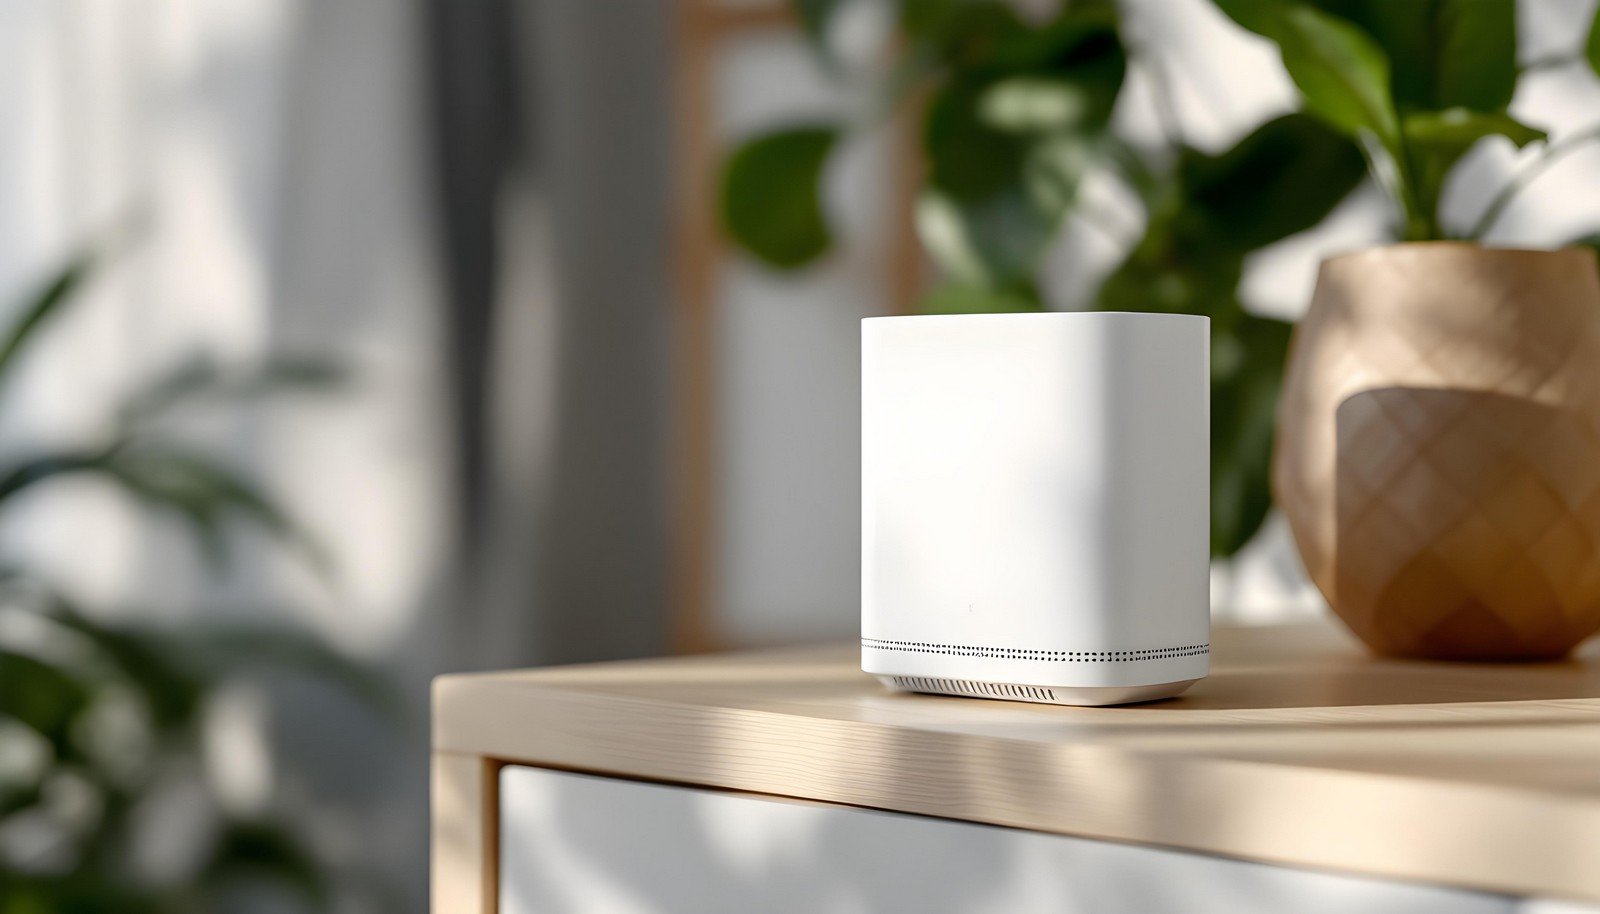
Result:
<point x="1041" y="86"/>
<point x="1456" y="129"/>
<point x="83" y="891"/>
<point x="249" y="851"/>
<point x="39" y="468"/>
<point x="968" y="157"/>
<point x="172" y="666"/>
<point x="1008" y="141"/>
<point x="202" y="377"/>
<point x="1183" y="265"/>
<point x="1081" y="45"/>
<point x="1158" y="278"/>
<point x="1284" y="178"/>
<point x="40" y="696"/>
<point x="771" y="192"/>
<point x="960" y="34"/>
<point x="956" y="298"/>
<point x="1247" y="372"/>
<point x="1474" y="54"/>
<point x="1341" y="72"/>
<point x="202" y="491"/>
<point x="170" y="692"/>
<point x="1037" y="104"/>
<point x="35" y="312"/>
<point x="205" y="492"/>
<point x="1591" y="45"/>
<point x="1010" y="134"/>
<point x="1444" y="53"/>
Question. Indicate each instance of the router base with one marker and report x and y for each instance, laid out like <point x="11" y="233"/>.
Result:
<point x="1082" y="696"/>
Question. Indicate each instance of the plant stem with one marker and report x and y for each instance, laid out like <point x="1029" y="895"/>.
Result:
<point x="1389" y="180"/>
<point x="1553" y="153"/>
<point x="1417" y="204"/>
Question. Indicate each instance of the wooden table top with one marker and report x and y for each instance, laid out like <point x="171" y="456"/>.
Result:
<point x="1299" y="749"/>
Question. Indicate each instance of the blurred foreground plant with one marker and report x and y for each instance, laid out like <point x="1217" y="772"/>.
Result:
<point x="1015" y="117"/>
<point x="98" y="720"/>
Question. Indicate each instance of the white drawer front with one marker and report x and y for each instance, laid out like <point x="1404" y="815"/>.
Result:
<point x="577" y="843"/>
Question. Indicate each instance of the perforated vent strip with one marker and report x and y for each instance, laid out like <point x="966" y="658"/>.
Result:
<point x="969" y="687"/>
<point x="1013" y="653"/>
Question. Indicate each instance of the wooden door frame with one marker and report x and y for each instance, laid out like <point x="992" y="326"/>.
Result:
<point x="702" y="30"/>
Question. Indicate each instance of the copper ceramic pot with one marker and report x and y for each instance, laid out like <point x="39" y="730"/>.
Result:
<point x="1438" y="451"/>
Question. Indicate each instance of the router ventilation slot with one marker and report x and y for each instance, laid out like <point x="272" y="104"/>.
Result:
<point x="970" y="687"/>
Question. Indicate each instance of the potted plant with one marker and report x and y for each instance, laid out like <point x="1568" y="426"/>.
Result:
<point x="1015" y="114"/>
<point x="1438" y="450"/>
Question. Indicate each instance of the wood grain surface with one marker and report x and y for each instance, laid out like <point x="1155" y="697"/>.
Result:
<point x="1299" y="749"/>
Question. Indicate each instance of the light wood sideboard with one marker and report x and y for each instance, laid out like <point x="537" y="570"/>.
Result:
<point x="1303" y="774"/>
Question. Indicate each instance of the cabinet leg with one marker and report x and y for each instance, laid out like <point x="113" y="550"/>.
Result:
<point x="465" y="876"/>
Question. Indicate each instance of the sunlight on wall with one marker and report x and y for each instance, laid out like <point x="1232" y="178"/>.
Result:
<point x="218" y="125"/>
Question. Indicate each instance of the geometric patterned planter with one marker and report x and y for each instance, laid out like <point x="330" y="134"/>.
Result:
<point x="1438" y="450"/>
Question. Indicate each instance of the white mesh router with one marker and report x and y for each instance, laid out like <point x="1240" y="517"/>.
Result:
<point x="1034" y="493"/>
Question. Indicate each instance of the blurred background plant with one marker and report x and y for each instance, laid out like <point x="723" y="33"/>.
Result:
<point x="1015" y="121"/>
<point x="111" y="797"/>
